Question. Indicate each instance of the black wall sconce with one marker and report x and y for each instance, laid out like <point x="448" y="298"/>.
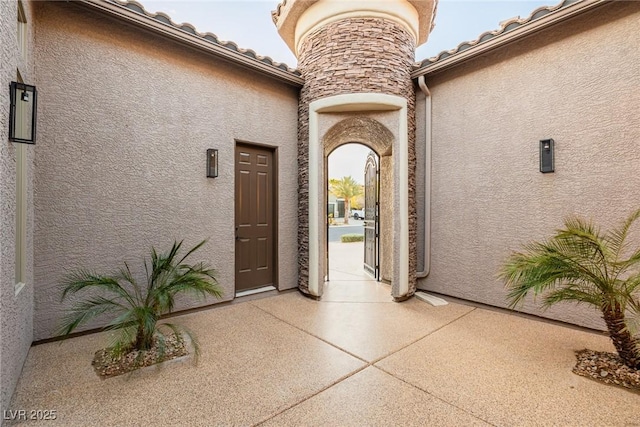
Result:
<point x="547" y="158"/>
<point x="212" y="163"/>
<point x="22" y="113"/>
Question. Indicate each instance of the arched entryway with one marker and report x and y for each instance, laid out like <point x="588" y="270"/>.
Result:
<point x="380" y="122"/>
<point x="354" y="208"/>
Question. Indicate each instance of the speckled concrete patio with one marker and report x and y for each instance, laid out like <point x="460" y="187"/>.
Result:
<point x="354" y="358"/>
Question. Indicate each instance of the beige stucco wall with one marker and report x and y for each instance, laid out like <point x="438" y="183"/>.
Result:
<point x="16" y="311"/>
<point x="126" y="121"/>
<point x="576" y="83"/>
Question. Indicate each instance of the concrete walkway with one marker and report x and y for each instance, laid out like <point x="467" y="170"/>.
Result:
<point x="354" y="358"/>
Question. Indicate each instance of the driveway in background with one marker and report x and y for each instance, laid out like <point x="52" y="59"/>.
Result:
<point x="355" y="227"/>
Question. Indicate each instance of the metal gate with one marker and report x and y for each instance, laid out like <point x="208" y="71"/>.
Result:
<point x="371" y="215"/>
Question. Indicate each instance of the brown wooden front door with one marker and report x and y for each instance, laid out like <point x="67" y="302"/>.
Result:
<point x="254" y="217"/>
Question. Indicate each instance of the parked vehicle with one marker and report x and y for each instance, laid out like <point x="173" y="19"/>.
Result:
<point x="357" y="213"/>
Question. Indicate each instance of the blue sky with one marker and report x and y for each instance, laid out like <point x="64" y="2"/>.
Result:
<point x="248" y="24"/>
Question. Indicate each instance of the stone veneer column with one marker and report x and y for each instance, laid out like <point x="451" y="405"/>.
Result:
<point x="354" y="55"/>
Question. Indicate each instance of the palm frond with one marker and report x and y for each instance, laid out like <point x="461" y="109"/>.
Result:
<point x="146" y="317"/>
<point x="192" y="250"/>
<point x="137" y="311"/>
<point x="583" y="248"/>
<point x="346" y="188"/>
<point x="159" y="263"/>
<point x="122" y="340"/>
<point x="84" y="311"/>
<point x="572" y="293"/>
<point x="126" y="275"/>
<point x="201" y="272"/>
<point x="617" y="237"/>
<point x="632" y="286"/>
<point x="126" y="319"/>
<point x="202" y="281"/>
<point x="579" y="264"/>
<point x="83" y="279"/>
<point x="198" y="279"/>
<point x="622" y="266"/>
<point x="161" y="267"/>
<point x="543" y="266"/>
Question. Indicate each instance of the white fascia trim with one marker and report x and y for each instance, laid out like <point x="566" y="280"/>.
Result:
<point x="358" y="102"/>
<point x="324" y="12"/>
<point x="192" y="40"/>
<point x="511" y="36"/>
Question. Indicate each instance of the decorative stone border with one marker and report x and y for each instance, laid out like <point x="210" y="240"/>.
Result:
<point x="360" y="102"/>
<point x="355" y="56"/>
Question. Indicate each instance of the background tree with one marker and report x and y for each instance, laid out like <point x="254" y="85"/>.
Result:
<point x="586" y="266"/>
<point x="346" y="188"/>
<point x="358" y="201"/>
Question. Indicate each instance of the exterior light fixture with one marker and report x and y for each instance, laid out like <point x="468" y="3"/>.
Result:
<point x="22" y="113"/>
<point x="212" y="163"/>
<point x="547" y="161"/>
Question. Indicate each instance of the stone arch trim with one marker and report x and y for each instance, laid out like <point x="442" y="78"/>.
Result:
<point x="353" y="56"/>
<point x="401" y="288"/>
<point x="364" y="130"/>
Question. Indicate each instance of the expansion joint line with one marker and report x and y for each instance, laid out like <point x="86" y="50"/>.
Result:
<point x="304" y="399"/>
<point x="419" y="388"/>
<point x="435" y="396"/>
<point x="366" y="365"/>
<point x="309" y="333"/>
<point x="424" y="336"/>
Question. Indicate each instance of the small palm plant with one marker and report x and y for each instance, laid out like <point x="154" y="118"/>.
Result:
<point x="584" y="265"/>
<point x="136" y="307"/>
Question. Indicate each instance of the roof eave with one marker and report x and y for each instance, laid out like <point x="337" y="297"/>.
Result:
<point x="193" y="41"/>
<point x="509" y="37"/>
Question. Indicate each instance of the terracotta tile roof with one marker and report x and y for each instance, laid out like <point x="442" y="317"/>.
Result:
<point x="506" y="27"/>
<point x="208" y="37"/>
<point x="275" y="14"/>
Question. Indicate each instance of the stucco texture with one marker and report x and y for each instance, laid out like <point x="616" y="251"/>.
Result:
<point x="126" y="120"/>
<point x="576" y="83"/>
<point x="16" y="311"/>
